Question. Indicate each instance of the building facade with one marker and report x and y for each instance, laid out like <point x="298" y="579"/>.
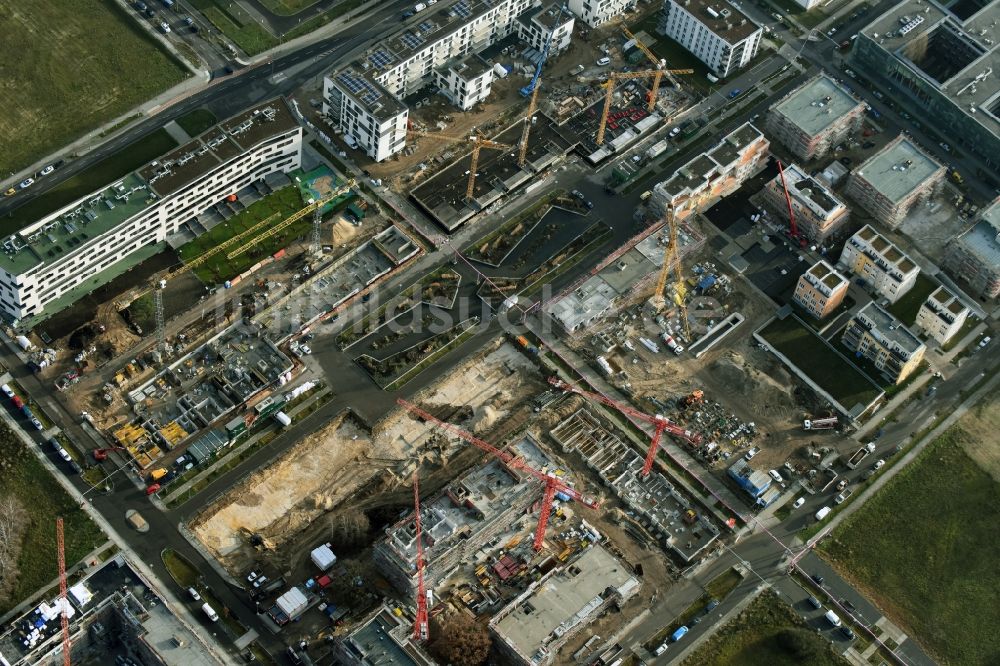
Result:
<point x="819" y="214"/>
<point x="538" y="25"/>
<point x="941" y="316"/>
<point x="598" y="12"/>
<point x="85" y="244"/>
<point x="883" y="266"/>
<point x="820" y="290"/>
<point x="894" y="180"/>
<point x="717" y="172"/>
<point x="941" y="63"/>
<point x="815" y="117"/>
<point x="363" y="99"/>
<point x="717" y="33"/>
<point x="974" y="256"/>
<point x="882" y="339"/>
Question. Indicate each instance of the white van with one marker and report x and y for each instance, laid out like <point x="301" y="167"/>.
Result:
<point x="210" y="612"/>
<point x="832" y="618"/>
<point x="823" y="513"/>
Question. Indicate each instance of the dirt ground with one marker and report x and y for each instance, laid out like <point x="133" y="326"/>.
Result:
<point x="344" y="461"/>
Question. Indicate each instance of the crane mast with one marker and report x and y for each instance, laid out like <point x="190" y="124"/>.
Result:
<point x="421" y="628"/>
<point x="63" y="595"/>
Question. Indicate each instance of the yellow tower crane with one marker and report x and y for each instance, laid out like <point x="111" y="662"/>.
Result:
<point x="478" y="143"/>
<point x="672" y="261"/>
<point x="659" y="63"/>
<point x="523" y="153"/>
<point x="615" y="77"/>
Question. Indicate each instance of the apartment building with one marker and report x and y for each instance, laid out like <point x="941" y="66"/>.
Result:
<point x="819" y="214"/>
<point x="974" y="256"/>
<point x="50" y="263"/>
<point x="717" y="172"/>
<point x="882" y="339"/>
<point x="942" y="315"/>
<point x="363" y="100"/>
<point x="535" y="25"/>
<point x="894" y="180"/>
<point x="883" y="266"/>
<point x="715" y="32"/>
<point x="815" y="117"/>
<point x="821" y="289"/>
<point x="598" y="12"/>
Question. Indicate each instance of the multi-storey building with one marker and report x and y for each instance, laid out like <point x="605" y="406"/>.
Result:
<point x="598" y="12"/>
<point x="940" y="60"/>
<point x="715" y="173"/>
<point x="882" y="339"/>
<point x="383" y="637"/>
<point x="820" y="290"/>
<point x="467" y="514"/>
<point x="363" y="99"/>
<point x="70" y="251"/>
<point x="894" y="180"/>
<point x="717" y="33"/>
<point x="818" y="212"/>
<point x="870" y="256"/>
<point x="974" y="256"/>
<point x="942" y="315"/>
<point x="815" y="117"/>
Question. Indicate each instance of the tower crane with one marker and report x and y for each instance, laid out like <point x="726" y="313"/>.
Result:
<point x="63" y="597"/>
<point x="615" y="77"/>
<point x="551" y="483"/>
<point x="659" y="63"/>
<point x="793" y="229"/>
<point x="672" y="260"/>
<point x="523" y="153"/>
<point x="659" y="422"/>
<point x="478" y="143"/>
<point x="421" y="625"/>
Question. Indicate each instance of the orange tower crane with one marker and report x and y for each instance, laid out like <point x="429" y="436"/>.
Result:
<point x="421" y="625"/>
<point x="660" y="423"/>
<point x="551" y="483"/>
<point x="63" y="595"/>
<point x="615" y="77"/>
<point x="478" y="143"/>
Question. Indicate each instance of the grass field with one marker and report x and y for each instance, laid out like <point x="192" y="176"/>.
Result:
<point x="766" y="632"/>
<point x="924" y="547"/>
<point x="43" y="499"/>
<point x="220" y="268"/>
<point x="68" y="67"/>
<point x="824" y="366"/>
<point x="288" y="7"/>
<point x="101" y="174"/>
<point x="906" y="308"/>
<point x="197" y="121"/>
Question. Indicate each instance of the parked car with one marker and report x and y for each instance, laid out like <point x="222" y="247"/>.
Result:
<point x="847" y="632"/>
<point x="734" y="93"/>
<point x="799" y="502"/>
<point x="47" y="170"/>
<point x="878" y="465"/>
<point x="814" y="602"/>
<point x="7" y="390"/>
<point x="194" y="594"/>
<point x="578" y="194"/>
<point x="603" y="62"/>
<point x="773" y="473"/>
<point x="751" y="453"/>
<point x="38" y="424"/>
<point x="817" y="578"/>
<point x="26" y="183"/>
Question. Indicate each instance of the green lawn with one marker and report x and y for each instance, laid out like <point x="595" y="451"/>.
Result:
<point x="69" y="67"/>
<point x="906" y="308"/>
<point x="197" y="121"/>
<point x="768" y="632"/>
<point x="237" y="24"/>
<point x="808" y="19"/>
<point x="220" y="268"/>
<point x="182" y="571"/>
<point x="42" y="499"/>
<point x="924" y="548"/>
<point x="823" y="365"/>
<point x="288" y="7"/>
<point x="99" y="175"/>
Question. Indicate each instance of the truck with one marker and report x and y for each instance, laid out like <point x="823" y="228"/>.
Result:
<point x="525" y="344"/>
<point x="605" y="366"/>
<point x="827" y="423"/>
<point x="284" y="419"/>
<point x="290" y="606"/>
<point x="860" y="455"/>
<point x="672" y="344"/>
<point x="657" y="149"/>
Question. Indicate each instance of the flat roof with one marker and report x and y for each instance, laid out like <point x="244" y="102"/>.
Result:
<point x="697" y="170"/>
<point x="884" y="248"/>
<point x="366" y="90"/>
<point x="722" y="18"/>
<point x="809" y="191"/>
<point x="826" y="274"/>
<point x="982" y="240"/>
<point x="373" y="640"/>
<point x="546" y="15"/>
<point x="911" y="22"/>
<point x="817" y="104"/>
<point x="888" y="328"/>
<point x="565" y="600"/>
<point x="898" y="169"/>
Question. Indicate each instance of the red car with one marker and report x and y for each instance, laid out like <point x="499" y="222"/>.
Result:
<point x="18" y="402"/>
<point x="151" y="490"/>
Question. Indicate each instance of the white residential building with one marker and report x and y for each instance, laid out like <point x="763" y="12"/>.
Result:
<point x="715" y="32"/>
<point x="78" y="247"/>
<point x="598" y="12"/>
<point x="363" y="99"/>
<point x="872" y="257"/>
<point x="535" y="25"/>
<point x="942" y="315"/>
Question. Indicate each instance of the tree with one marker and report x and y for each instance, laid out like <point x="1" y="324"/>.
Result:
<point x="459" y="640"/>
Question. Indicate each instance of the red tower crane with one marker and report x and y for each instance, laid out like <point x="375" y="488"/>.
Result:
<point x="63" y="596"/>
<point x="421" y="626"/>
<point x="793" y="229"/>
<point x="552" y="484"/>
<point x="659" y="423"/>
